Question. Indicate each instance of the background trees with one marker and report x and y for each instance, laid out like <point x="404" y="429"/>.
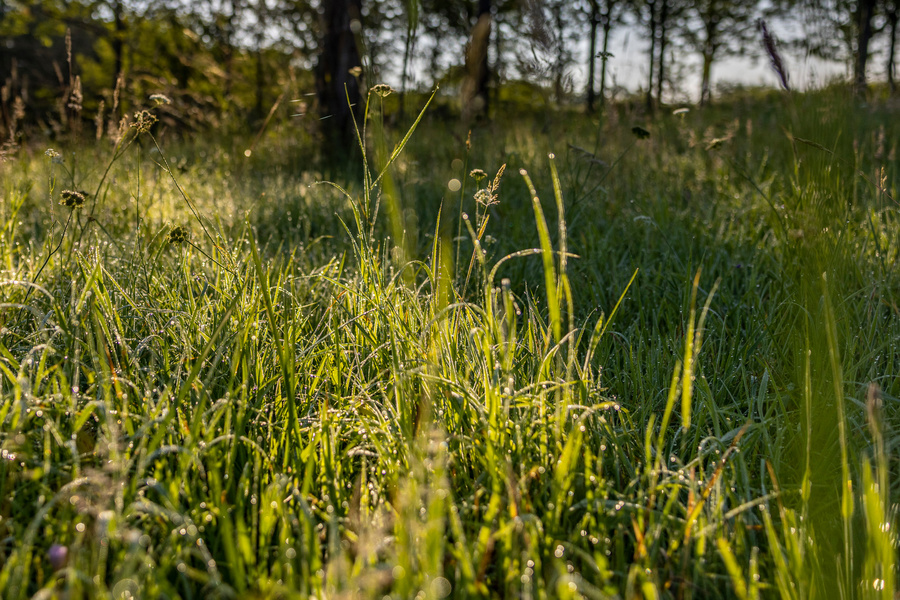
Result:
<point x="227" y="61"/>
<point x="715" y="29"/>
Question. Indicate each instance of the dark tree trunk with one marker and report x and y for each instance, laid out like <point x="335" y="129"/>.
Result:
<point x="865" y="10"/>
<point x="653" y="31"/>
<point x="260" y="66"/>
<point x="893" y="15"/>
<point x="606" y="19"/>
<point x="475" y="92"/>
<point x="661" y="72"/>
<point x="710" y="46"/>
<point x="705" y="90"/>
<point x="560" y="48"/>
<point x="592" y="55"/>
<point x="404" y="77"/>
<point x="117" y="41"/>
<point x="227" y="35"/>
<point x="179" y="61"/>
<point x="484" y="70"/>
<point x="336" y="88"/>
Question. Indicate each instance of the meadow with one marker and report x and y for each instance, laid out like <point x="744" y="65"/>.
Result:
<point x="556" y="356"/>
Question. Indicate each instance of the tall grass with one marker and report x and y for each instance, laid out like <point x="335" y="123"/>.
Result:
<point x="670" y="370"/>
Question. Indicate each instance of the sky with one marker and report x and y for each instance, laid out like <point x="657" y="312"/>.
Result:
<point x="628" y="68"/>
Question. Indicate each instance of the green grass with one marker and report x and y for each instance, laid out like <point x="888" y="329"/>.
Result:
<point x="683" y="382"/>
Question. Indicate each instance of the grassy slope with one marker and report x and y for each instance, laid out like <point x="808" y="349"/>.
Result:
<point x="282" y="408"/>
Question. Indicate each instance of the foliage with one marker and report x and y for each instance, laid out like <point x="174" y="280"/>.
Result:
<point x="653" y="367"/>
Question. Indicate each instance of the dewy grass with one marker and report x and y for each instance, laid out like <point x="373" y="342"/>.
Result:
<point x="284" y="406"/>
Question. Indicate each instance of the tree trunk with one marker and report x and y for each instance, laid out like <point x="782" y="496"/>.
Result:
<point x="661" y="72"/>
<point x="559" y="60"/>
<point x="118" y="41"/>
<point x="893" y="15"/>
<point x="179" y="61"/>
<point x="592" y="55"/>
<point x="338" y="90"/>
<point x="606" y="18"/>
<point x="404" y="75"/>
<point x="705" y="92"/>
<point x="653" y="28"/>
<point x="865" y="10"/>
<point x="475" y="88"/>
<point x="412" y="21"/>
<point x="260" y="67"/>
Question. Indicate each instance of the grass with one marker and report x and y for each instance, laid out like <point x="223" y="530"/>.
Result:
<point x="661" y="367"/>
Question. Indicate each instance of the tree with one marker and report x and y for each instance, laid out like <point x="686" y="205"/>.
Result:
<point x="478" y="73"/>
<point x="718" y="28"/>
<point x="840" y="30"/>
<point x="659" y="17"/>
<point x="337" y="88"/>
<point x="412" y="26"/>
<point x="864" y="13"/>
<point x="892" y="11"/>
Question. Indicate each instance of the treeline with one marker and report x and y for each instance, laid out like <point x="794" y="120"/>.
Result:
<point x="63" y="61"/>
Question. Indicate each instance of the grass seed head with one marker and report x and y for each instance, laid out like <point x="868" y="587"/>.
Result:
<point x="143" y="121"/>
<point x="72" y="199"/>
<point x="383" y="90"/>
<point x="179" y="235"/>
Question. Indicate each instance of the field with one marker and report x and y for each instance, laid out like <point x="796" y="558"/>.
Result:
<point x="558" y="356"/>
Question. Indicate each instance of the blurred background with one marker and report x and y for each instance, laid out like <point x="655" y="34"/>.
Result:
<point x="233" y="63"/>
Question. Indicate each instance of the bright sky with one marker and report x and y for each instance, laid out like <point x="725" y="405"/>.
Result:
<point x="628" y="68"/>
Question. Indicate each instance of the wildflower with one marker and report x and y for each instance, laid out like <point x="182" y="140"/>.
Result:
<point x="477" y="174"/>
<point x="143" y="120"/>
<point x="640" y="133"/>
<point x="483" y="197"/>
<point x="681" y="111"/>
<point x="355" y="71"/>
<point x="51" y="153"/>
<point x="72" y="199"/>
<point x="178" y="235"/>
<point x="160" y="99"/>
<point x="383" y="90"/>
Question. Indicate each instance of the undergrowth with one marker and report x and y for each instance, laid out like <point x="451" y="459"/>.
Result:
<point x="667" y="367"/>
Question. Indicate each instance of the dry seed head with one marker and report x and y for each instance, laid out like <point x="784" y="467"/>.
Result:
<point x="98" y="121"/>
<point x="382" y="89"/>
<point x="72" y="199"/>
<point x="774" y="56"/>
<point x="496" y="184"/>
<point x="178" y="235"/>
<point x="76" y="98"/>
<point x="483" y="197"/>
<point x="143" y="120"/>
<point x="120" y="83"/>
<point x="18" y="109"/>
